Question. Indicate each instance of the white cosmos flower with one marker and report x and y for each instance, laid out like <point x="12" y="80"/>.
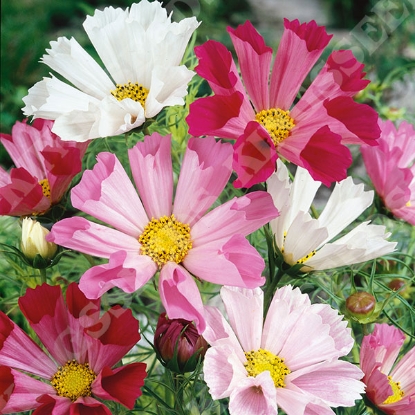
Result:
<point x="141" y="50"/>
<point x="302" y="239"/>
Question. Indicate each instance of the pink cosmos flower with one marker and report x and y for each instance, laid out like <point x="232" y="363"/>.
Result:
<point x="289" y="361"/>
<point x="390" y="386"/>
<point x="259" y="113"/>
<point x="391" y="167"/>
<point x="45" y="167"/>
<point x="83" y="347"/>
<point x="152" y="234"/>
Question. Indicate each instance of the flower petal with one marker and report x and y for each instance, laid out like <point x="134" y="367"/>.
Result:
<point x="121" y="385"/>
<point x="126" y="271"/>
<point x="254" y="395"/>
<point x="239" y="303"/>
<point x="152" y="170"/>
<point x="180" y="295"/>
<point x="231" y="261"/>
<point x="254" y="156"/>
<point x="205" y="170"/>
<point x="45" y="309"/>
<point x="242" y="216"/>
<point x="325" y="158"/>
<point x="91" y="238"/>
<point x="18" y="351"/>
<point x="107" y="193"/>
<point x="115" y="333"/>
<point x="300" y="47"/>
<point x="254" y="59"/>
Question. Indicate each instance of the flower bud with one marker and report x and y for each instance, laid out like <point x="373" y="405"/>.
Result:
<point x="178" y="344"/>
<point x="34" y="244"/>
<point x="361" y="304"/>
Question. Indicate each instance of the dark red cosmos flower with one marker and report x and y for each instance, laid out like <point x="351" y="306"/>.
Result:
<point x="82" y="349"/>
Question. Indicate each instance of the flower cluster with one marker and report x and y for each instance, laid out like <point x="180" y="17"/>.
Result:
<point x="157" y="226"/>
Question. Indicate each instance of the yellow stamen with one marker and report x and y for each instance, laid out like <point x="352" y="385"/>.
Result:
<point x="136" y="92"/>
<point x="397" y="392"/>
<point x="45" y="188"/>
<point x="408" y="203"/>
<point x="73" y="380"/>
<point x="260" y="360"/>
<point x="307" y="257"/>
<point x="165" y="239"/>
<point x="277" y="122"/>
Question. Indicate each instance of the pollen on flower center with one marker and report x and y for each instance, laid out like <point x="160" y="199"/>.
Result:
<point x="277" y="122"/>
<point x="134" y="91"/>
<point x="397" y="394"/>
<point x="260" y="360"/>
<point x="307" y="257"/>
<point x="165" y="239"/>
<point x="45" y="187"/>
<point x="73" y="380"/>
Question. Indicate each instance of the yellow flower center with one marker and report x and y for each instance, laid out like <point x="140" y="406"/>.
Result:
<point x="408" y="203"/>
<point x="73" y="380"/>
<point x="45" y="187"/>
<point x="277" y="122"/>
<point x="165" y="239"/>
<point x="260" y="360"/>
<point x="136" y="92"/>
<point x="397" y="394"/>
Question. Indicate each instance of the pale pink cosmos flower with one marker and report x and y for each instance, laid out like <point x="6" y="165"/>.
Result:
<point x="389" y="385"/>
<point x="289" y="361"/>
<point x="259" y="110"/>
<point x="45" y="167"/>
<point x="83" y="347"/>
<point x="391" y="167"/>
<point x="152" y="233"/>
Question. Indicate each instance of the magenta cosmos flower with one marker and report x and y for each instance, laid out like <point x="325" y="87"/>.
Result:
<point x="390" y="386"/>
<point x="83" y="347"/>
<point x="150" y="234"/>
<point x="289" y="361"/>
<point x="259" y="112"/>
<point x="391" y="167"/>
<point x="45" y="167"/>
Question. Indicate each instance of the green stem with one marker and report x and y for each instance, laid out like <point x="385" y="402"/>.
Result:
<point x="43" y="278"/>
<point x="178" y="393"/>
<point x="270" y="290"/>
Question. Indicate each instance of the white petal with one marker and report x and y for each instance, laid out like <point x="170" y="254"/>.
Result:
<point x="303" y="236"/>
<point x="69" y="59"/>
<point x="345" y="204"/>
<point x="363" y="243"/>
<point x="51" y="97"/>
<point x="168" y="87"/>
<point x="278" y="186"/>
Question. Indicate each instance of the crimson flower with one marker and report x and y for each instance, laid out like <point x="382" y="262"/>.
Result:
<point x="258" y="109"/>
<point x="45" y="167"/>
<point x="83" y="347"/>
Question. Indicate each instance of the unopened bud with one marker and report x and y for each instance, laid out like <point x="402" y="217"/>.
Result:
<point x="361" y="304"/>
<point x="34" y="244"/>
<point x="179" y="346"/>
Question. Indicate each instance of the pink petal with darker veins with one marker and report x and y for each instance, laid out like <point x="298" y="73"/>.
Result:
<point x="254" y="156"/>
<point x="180" y="295"/>
<point x="254" y="59"/>
<point x="152" y="171"/>
<point x="206" y="168"/>
<point x="126" y="271"/>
